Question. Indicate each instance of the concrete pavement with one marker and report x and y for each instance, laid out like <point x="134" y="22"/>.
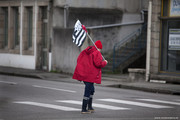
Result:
<point x="119" y="81"/>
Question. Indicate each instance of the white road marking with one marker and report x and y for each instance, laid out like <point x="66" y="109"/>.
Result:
<point x="54" y="88"/>
<point x="134" y="103"/>
<point x="57" y="107"/>
<point x="94" y="105"/>
<point x="8" y="82"/>
<point x="160" y="101"/>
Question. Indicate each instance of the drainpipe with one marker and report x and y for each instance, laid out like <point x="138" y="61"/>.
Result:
<point x="142" y="15"/>
<point x="65" y="15"/>
<point x="148" y="42"/>
<point x="35" y="32"/>
<point x="21" y="28"/>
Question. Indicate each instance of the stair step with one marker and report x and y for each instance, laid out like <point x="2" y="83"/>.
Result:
<point x="131" y="48"/>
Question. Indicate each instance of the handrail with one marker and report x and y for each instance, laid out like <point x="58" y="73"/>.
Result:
<point x="115" y="25"/>
<point x="124" y="40"/>
<point x="137" y="34"/>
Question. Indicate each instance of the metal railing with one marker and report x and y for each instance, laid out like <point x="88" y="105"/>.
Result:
<point x="129" y="46"/>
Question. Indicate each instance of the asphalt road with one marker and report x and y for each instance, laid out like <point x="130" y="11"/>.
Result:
<point x="34" y="99"/>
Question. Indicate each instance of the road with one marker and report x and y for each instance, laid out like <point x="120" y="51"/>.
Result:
<point x="35" y="99"/>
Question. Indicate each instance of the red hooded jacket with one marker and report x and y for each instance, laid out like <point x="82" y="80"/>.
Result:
<point x="89" y="64"/>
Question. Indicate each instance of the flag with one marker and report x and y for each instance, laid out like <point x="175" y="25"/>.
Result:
<point x="79" y="34"/>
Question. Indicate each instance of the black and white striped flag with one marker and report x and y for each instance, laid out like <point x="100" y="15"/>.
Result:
<point x="79" y="34"/>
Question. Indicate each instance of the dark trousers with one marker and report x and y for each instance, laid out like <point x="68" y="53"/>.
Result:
<point x="89" y="90"/>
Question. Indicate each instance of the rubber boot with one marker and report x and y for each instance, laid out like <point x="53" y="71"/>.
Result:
<point x="84" y="107"/>
<point x="90" y="108"/>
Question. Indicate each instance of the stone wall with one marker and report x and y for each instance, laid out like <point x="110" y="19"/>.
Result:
<point x="155" y="37"/>
<point x="131" y="6"/>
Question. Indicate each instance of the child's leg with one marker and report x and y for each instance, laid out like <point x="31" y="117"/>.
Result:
<point x="87" y="92"/>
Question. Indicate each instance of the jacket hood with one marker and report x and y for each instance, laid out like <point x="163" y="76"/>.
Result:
<point x="90" y="49"/>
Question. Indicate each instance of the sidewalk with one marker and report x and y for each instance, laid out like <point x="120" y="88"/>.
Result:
<point x="118" y="81"/>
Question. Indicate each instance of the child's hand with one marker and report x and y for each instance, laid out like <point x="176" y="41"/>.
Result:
<point x="106" y="61"/>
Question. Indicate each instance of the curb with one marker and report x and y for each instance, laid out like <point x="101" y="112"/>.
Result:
<point x="20" y="75"/>
<point x="152" y="90"/>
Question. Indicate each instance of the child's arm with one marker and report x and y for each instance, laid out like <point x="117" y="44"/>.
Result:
<point x="98" y="61"/>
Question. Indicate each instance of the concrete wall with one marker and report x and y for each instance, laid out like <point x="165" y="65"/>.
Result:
<point x="111" y="36"/>
<point x="104" y="9"/>
<point x="64" y="51"/>
<point x="97" y="17"/>
<point x="126" y="5"/>
<point x="19" y="61"/>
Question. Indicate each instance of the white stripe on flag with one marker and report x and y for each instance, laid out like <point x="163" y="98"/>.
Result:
<point x="135" y="103"/>
<point x="160" y="101"/>
<point x="94" y="105"/>
<point x="57" y="107"/>
<point x="73" y="38"/>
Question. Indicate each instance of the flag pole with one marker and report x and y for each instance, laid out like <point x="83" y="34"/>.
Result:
<point x="94" y="44"/>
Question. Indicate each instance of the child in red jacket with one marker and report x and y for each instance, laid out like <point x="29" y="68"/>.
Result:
<point x="88" y="70"/>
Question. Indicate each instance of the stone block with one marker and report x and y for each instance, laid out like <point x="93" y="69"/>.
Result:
<point x="154" y="69"/>
<point x="156" y="9"/>
<point x="155" y="26"/>
<point x="155" y="17"/>
<point x="136" y="74"/>
<point x="155" y="36"/>
<point x="154" y="62"/>
<point x="154" y="43"/>
<point x="156" y="2"/>
<point x="155" y="52"/>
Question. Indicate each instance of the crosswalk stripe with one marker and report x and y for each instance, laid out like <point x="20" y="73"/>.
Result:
<point x="160" y="101"/>
<point x="135" y="103"/>
<point x="94" y="105"/>
<point x="50" y="88"/>
<point x="57" y="107"/>
<point x="13" y="83"/>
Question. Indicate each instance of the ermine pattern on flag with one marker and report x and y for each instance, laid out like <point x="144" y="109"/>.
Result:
<point x="79" y="34"/>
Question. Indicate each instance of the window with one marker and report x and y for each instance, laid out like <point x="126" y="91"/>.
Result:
<point x="29" y="26"/>
<point x="170" y="37"/>
<point x="170" y="52"/>
<point x="5" y="42"/>
<point x="16" y="26"/>
<point x="28" y="30"/>
<point x="4" y="27"/>
<point x="44" y="36"/>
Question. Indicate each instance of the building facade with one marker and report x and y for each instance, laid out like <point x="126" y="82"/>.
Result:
<point x="24" y="33"/>
<point x="165" y="41"/>
<point x="105" y="20"/>
<point x="37" y="34"/>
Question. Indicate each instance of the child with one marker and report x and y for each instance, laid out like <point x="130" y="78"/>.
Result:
<point x="88" y="70"/>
